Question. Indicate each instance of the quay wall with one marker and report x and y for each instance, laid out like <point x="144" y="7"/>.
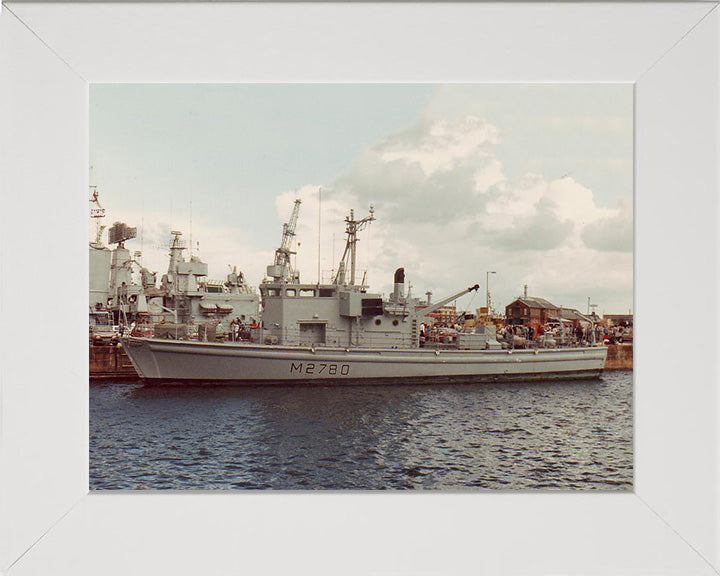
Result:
<point x="110" y="362"/>
<point x="620" y="357"/>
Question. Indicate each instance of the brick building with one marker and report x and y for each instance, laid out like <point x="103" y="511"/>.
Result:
<point x="531" y="311"/>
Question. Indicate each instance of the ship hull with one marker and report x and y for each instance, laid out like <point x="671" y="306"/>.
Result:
<point x="170" y="361"/>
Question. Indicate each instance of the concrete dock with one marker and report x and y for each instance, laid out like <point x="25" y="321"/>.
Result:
<point x="110" y="363"/>
<point x="620" y="357"/>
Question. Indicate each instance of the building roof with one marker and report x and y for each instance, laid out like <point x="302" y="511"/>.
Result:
<point x="572" y="314"/>
<point x="618" y="316"/>
<point x="533" y="302"/>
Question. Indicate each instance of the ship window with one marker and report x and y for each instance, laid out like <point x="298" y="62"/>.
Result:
<point x="327" y="292"/>
<point x="290" y="292"/>
<point x="273" y="292"/>
<point x="378" y="321"/>
<point x="372" y="307"/>
<point x="395" y="322"/>
<point x="307" y="292"/>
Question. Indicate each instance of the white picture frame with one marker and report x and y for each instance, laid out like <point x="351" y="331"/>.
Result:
<point x="49" y="523"/>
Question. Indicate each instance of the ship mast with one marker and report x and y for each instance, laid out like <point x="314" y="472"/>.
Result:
<point x="97" y="212"/>
<point x="352" y="227"/>
<point x="176" y="249"/>
<point x="282" y="270"/>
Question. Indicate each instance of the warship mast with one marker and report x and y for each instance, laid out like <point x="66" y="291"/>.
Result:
<point x="352" y="227"/>
<point x="97" y="213"/>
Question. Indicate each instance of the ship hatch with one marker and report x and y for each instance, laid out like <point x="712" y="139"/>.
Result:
<point x="312" y="333"/>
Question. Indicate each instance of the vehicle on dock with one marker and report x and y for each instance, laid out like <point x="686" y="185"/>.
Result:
<point x="102" y="330"/>
<point x="339" y="332"/>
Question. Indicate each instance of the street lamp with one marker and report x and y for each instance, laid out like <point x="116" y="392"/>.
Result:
<point x="487" y="289"/>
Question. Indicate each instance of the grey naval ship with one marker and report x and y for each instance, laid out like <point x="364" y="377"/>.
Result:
<point x="340" y="333"/>
<point x="185" y="299"/>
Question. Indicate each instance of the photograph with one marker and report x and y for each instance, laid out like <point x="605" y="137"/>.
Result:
<point x="361" y="286"/>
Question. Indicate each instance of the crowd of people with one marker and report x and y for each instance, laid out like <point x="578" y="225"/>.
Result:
<point x="241" y="332"/>
<point x="551" y="334"/>
<point x="565" y="335"/>
<point x="239" y="329"/>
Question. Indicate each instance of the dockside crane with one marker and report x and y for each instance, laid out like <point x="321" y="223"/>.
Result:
<point x="281" y="270"/>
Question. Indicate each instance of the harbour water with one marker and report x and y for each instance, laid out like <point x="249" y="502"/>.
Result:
<point x="568" y="435"/>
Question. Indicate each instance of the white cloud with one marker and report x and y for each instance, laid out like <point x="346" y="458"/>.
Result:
<point x="447" y="213"/>
<point x="574" y="201"/>
<point x="489" y="175"/>
<point x="439" y="146"/>
<point x="613" y="233"/>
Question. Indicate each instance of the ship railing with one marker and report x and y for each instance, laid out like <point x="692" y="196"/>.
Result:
<point x="226" y="287"/>
<point x="213" y="332"/>
<point x="332" y="339"/>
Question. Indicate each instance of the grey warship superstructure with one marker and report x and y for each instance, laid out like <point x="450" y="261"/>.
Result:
<point x="339" y="332"/>
<point x="187" y="293"/>
<point x="185" y="297"/>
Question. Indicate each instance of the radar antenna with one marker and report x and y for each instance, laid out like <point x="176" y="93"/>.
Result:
<point x="176" y="251"/>
<point x="119" y="233"/>
<point x="281" y="270"/>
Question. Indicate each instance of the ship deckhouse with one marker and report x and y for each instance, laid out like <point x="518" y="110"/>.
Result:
<point x="331" y="315"/>
<point x="340" y="314"/>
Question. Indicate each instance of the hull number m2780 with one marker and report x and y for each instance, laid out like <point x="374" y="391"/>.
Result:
<point x="319" y="368"/>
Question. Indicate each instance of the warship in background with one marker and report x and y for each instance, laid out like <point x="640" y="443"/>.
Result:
<point x="339" y="332"/>
<point x="185" y="299"/>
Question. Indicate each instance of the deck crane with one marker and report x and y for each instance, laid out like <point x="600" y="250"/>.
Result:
<point x="434" y="307"/>
<point x="281" y="270"/>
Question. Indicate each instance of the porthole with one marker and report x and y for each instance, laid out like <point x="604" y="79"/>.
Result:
<point x="395" y="322"/>
<point x="378" y="321"/>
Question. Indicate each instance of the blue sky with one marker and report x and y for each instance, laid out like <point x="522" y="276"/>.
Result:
<point x="534" y="181"/>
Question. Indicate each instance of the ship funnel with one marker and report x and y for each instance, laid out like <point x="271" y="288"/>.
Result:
<point x="399" y="291"/>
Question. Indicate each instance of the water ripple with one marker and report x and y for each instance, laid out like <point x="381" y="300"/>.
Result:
<point x="574" y="435"/>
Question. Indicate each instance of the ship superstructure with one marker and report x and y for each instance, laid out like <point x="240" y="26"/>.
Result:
<point x="188" y="294"/>
<point x="185" y="296"/>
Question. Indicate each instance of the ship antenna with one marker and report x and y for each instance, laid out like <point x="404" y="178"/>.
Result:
<point x="319" y="224"/>
<point x="142" y="225"/>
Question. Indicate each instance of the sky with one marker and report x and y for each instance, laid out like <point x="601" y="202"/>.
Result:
<point x="533" y="182"/>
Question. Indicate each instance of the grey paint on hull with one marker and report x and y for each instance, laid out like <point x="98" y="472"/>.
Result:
<point x="194" y="362"/>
